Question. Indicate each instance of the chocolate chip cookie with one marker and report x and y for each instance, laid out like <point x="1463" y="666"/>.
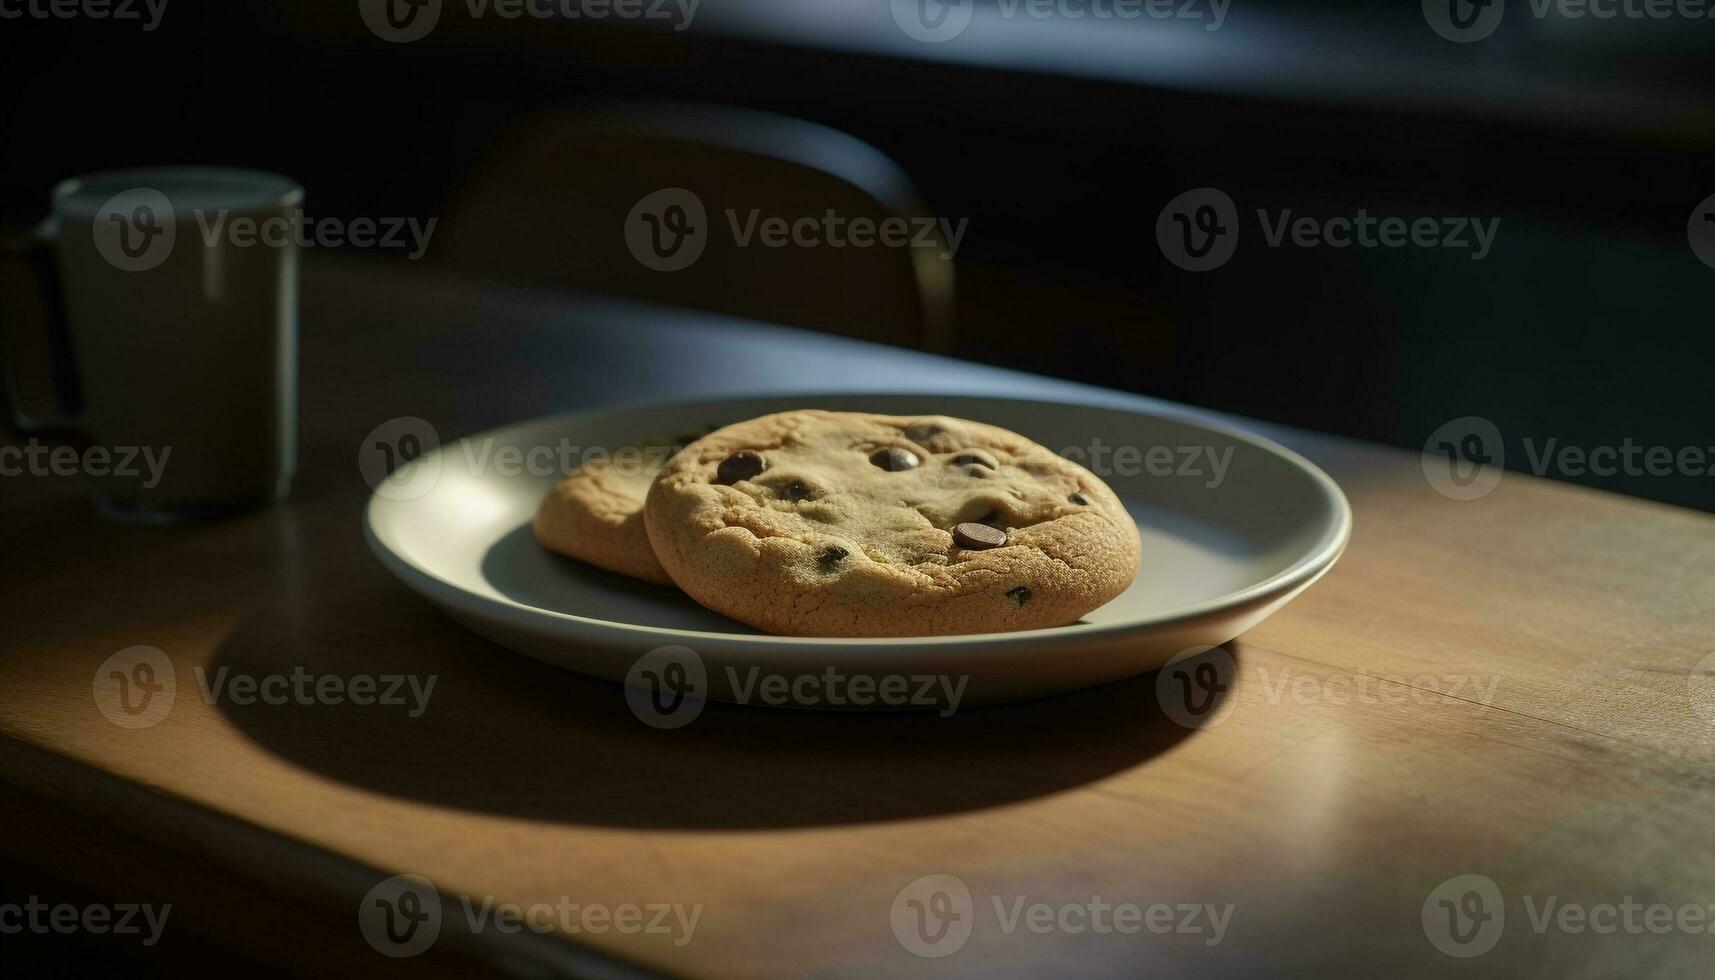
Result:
<point x="596" y="515"/>
<point x="818" y="523"/>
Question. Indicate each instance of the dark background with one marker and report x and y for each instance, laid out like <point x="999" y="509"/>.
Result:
<point x="1592" y="142"/>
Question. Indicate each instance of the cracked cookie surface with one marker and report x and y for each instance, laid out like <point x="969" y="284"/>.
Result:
<point x="818" y="523"/>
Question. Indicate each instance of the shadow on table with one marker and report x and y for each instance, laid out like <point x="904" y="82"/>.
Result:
<point x="500" y="733"/>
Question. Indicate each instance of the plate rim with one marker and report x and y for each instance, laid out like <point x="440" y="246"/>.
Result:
<point x="1301" y="573"/>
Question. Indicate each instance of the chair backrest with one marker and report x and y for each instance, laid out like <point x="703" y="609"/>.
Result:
<point x="558" y="203"/>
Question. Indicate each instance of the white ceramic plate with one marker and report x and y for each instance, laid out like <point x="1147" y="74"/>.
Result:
<point x="1222" y="549"/>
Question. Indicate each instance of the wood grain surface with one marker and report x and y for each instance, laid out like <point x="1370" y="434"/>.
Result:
<point x="1516" y="687"/>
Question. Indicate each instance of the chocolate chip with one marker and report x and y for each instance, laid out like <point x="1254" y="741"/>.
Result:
<point x="1020" y="595"/>
<point x="831" y="557"/>
<point x="796" y="491"/>
<point x="974" y="459"/>
<point x="893" y="459"/>
<point x="978" y="536"/>
<point x="741" y="465"/>
<point x="1079" y="499"/>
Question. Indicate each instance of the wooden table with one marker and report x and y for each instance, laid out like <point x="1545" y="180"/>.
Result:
<point x="1506" y="687"/>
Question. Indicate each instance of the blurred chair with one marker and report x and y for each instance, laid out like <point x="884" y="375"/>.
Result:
<point x="554" y="202"/>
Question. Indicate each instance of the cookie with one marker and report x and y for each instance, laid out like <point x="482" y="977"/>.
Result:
<point x="817" y="523"/>
<point x="596" y="515"/>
